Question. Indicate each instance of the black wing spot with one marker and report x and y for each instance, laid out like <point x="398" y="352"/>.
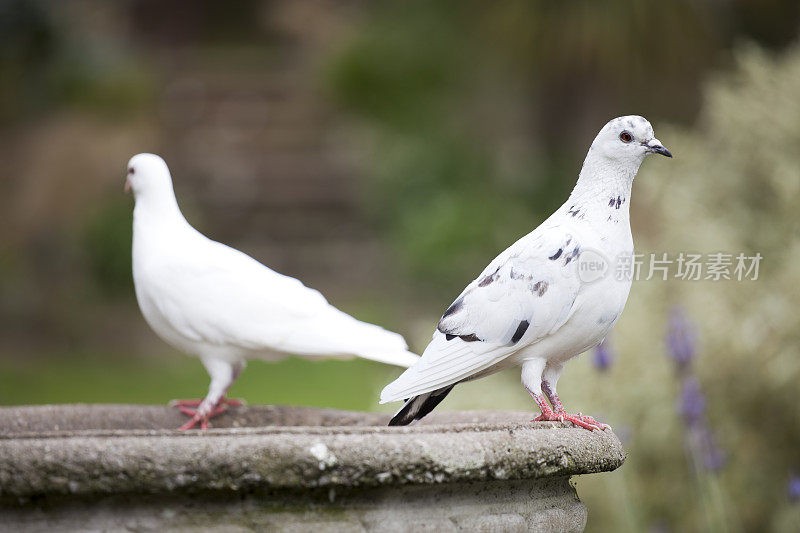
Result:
<point x="572" y="255"/>
<point x="454" y="308"/>
<point x="466" y="338"/>
<point x="540" y="287"/>
<point x="557" y="254"/>
<point x="488" y="279"/>
<point x="611" y="202"/>
<point x="521" y="329"/>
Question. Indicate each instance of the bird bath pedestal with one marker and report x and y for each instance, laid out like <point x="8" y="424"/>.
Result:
<point x="121" y="467"/>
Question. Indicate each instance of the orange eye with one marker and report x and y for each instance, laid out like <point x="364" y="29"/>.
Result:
<point x="625" y="137"/>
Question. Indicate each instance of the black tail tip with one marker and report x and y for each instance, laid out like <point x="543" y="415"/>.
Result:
<point x="404" y="416"/>
<point x="417" y="407"/>
<point x="400" y="421"/>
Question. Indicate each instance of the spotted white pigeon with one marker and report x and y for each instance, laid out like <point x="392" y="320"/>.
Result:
<point x="220" y="304"/>
<point x="548" y="297"/>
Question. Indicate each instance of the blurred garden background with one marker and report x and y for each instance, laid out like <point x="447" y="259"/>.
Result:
<point x="384" y="152"/>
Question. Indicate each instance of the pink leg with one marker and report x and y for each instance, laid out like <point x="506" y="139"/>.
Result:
<point x="197" y="417"/>
<point x="200" y="411"/>
<point x="555" y="401"/>
<point x="223" y="375"/>
<point x="560" y="414"/>
<point x="558" y="407"/>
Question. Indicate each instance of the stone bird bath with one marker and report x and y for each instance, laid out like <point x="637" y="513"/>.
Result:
<point x="124" y="467"/>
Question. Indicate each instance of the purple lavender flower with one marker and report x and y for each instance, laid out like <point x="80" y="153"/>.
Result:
<point x="702" y="448"/>
<point x="793" y="488"/>
<point x="681" y="337"/>
<point x="602" y="356"/>
<point x="699" y="438"/>
<point x="691" y="402"/>
<point x="713" y="457"/>
<point x="659" y="527"/>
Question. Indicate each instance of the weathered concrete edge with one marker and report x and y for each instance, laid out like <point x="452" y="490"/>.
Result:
<point x="540" y="505"/>
<point x="241" y="462"/>
<point x="288" y="430"/>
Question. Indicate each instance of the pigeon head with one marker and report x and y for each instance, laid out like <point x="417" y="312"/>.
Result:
<point x="628" y="139"/>
<point x="147" y="174"/>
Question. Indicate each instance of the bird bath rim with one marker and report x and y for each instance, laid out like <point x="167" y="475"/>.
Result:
<point x="345" y="450"/>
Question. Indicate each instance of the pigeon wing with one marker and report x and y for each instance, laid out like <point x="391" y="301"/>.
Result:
<point x="525" y="294"/>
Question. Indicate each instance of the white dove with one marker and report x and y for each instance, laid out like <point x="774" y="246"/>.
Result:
<point x="218" y="303"/>
<point x="545" y="299"/>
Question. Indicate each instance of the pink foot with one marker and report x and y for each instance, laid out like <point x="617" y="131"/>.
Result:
<point x="580" y="420"/>
<point x="560" y="415"/>
<point x="198" y="412"/>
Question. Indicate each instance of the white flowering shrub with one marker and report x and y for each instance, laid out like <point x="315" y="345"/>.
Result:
<point x="733" y="186"/>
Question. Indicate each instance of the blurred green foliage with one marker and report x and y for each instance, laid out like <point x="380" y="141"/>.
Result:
<point x="476" y="113"/>
<point x="107" y="247"/>
<point x="427" y="188"/>
<point x="44" y="64"/>
<point x="27" y="43"/>
<point x="429" y="173"/>
<point x="403" y="74"/>
<point x="116" y="90"/>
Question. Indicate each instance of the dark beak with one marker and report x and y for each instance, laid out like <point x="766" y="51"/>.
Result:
<point x="654" y="146"/>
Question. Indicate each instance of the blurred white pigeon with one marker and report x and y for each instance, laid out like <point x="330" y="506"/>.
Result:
<point x="533" y="306"/>
<point x="213" y="301"/>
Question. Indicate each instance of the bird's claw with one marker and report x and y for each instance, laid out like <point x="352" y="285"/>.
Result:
<point x="580" y="420"/>
<point x="193" y="422"/>
<point x="198" y="413"/>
